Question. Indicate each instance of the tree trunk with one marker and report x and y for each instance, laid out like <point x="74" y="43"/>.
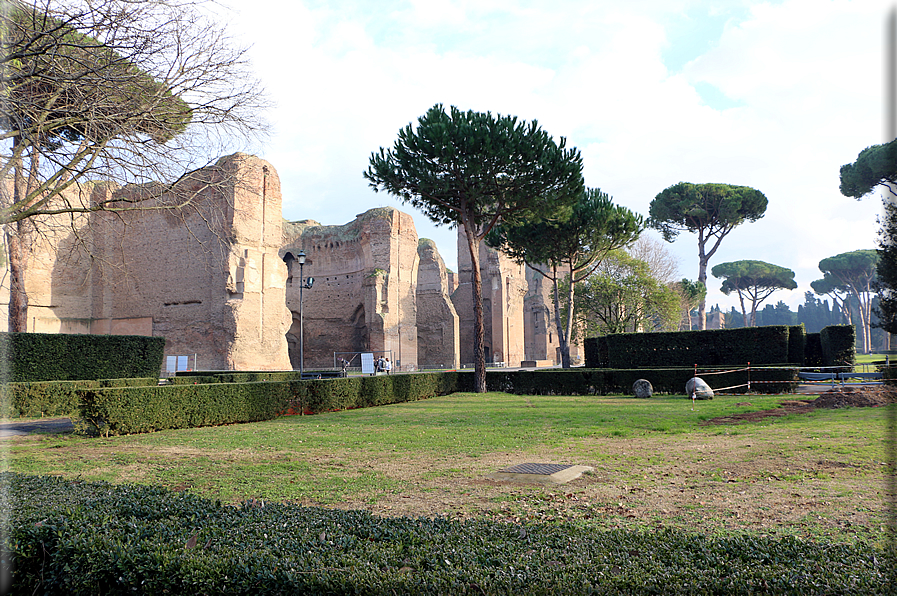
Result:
<point x="18" y="298"/>
<point x="563" y="338"/>
<point x="702" y="277"/>
<point x="479" y="332"/>
<point x="16" y="242"/>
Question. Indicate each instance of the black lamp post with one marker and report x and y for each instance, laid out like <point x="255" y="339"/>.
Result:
<point x="302" y="284"/>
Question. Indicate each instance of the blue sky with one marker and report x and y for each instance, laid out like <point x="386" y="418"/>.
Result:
<point x="774" y="95"/>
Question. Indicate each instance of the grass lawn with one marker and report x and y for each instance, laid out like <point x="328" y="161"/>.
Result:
<point x="657" y="464"/>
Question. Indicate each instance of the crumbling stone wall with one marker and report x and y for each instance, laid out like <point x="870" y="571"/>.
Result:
<point x="504" y="286"/>
<point x="539" y="323"/>
<point x="208" y="277"/>
<point x="438" y="340"/>
<point x="364" y="294"/>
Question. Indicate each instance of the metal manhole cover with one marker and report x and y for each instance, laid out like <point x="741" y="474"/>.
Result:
<point x="540" y="469"/>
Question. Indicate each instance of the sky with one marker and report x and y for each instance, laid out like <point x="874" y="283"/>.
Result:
<point x="773" y="95"/>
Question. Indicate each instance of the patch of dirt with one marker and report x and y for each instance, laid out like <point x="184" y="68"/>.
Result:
<point x="849" y="397"/>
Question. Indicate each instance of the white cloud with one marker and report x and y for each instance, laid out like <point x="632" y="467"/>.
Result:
<point x="806" y="76"/>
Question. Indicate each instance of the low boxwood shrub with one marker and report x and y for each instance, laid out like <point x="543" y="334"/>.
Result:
<point x="56" y="398"/>
<point x="92" y="538"/>
<point x="126" y="410"/>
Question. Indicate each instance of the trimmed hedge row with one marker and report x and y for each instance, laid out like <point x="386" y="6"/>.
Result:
<point x="146" y="409"/>
<point x="838" y="345"/>
<point x="70" y="357"/>
<point x="125" y="410"/>
<point x="761" y="346"/>
<point x="619" y="381"/>
<point x="93" y="538"/>
<point x="56" y="398"/>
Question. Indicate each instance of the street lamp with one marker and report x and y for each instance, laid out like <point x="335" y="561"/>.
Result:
<point x="302" y="284"/>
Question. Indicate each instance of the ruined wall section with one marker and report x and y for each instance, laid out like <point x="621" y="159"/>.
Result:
<point x="256" y="311"/>
<point x="504" y="286"/>
<point x="438" y="340"/>
<point x="540" y="331"/>
<point x="364" y="294"/>
<point x="208" y="275"/>
<point x="539" y="322"/>
<point x="58" y="268"/>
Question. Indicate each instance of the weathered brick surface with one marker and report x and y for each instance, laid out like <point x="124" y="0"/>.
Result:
<point x="364" y="294"/>
<point x="207" y="278"/>
<point x="219" y="280"/>
<point x="438" y="340"/>
<point x="504" y="286"/>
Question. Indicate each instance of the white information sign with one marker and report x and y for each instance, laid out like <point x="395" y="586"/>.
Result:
<point x="367" y="363"/>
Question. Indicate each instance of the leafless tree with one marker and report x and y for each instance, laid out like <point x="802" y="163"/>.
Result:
<point x="129" y="92"/>
<point x="663" y="265"/>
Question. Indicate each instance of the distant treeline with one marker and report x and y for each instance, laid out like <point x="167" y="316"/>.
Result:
<point x="813" y="313"/>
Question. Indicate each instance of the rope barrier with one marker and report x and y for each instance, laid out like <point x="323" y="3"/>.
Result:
<point x="835" y="378"/>
<point x="732" y="387"/>
<point x="723" y="372"/>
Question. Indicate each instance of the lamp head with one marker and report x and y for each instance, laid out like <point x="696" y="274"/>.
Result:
<point x="301" y="257"/>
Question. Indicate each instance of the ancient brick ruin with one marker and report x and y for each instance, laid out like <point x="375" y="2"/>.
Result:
<point x="220" y="280"/>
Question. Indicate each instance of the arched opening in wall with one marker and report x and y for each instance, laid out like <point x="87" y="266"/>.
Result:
<point x="293" y="341"/>
<point x="288" y="259"/>
<point x="361" y="339"/>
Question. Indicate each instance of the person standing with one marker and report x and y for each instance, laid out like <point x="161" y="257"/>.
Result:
<point x="387" y="366"/>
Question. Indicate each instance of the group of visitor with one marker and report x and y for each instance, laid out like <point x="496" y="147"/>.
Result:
<point x="383" y="365"/>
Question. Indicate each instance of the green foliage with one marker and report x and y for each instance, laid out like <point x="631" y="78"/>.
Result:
<point x="853" y="273"/>
<point x="854" y="267"/>
<point x="146" y="409"/>
<point x="92" y="89"/>
<point x="770" y="345"/>
<point x="567" y="249"/>
<point x="63" y="357"/>
<point x="714" y="208"/>
<point x="127" y="410"/>
<point x="874" y="165"/>
<point x="813" y="350"/>
<point x="838" y="345"/>
<point x="886" y="271"/>
<point x="472" y="167"/>
<point x="622" y="295"/>
<point x="756" y="280"/>
<point x="797" y="343"/>
<point x="56" y="398"/>
<point x="757" y="345"/>
<point x="594" y="227"/>
<point x="89" y="538"/>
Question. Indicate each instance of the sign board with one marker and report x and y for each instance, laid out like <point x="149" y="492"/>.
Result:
<point x="367" y="363"/>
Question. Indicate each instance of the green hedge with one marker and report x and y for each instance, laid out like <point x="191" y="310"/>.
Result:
<point x="92" y="538"/>
<point x="757" y="345"/>
<point x="839" y="345"/>
<point x="583" y="381"/>
<point x="146" y="409"/>
<point x="190" y="377"/>
<point x="761" y="346"/>
<point x="56" y="398"/>
<point x="64" y="357"/>
<point x="813" y="350"/>
<point x="797" y="344"/>
<point x="127" y="410"/>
